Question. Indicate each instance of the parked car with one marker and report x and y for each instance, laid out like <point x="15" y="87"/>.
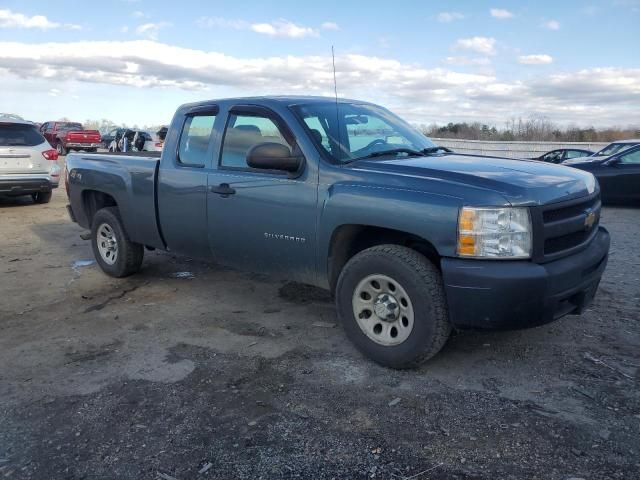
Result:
<point x="135" y="140"/>
<point x="111" y="135"/>
<point x="152" y="142"/>
<point x="616" y="147"/>
<point x="67" y="136"/>
<point x="562" y="154"/>
<point x="413" y="241"/>
<point x="28" y="164"/>
<point x="618" y="174"/>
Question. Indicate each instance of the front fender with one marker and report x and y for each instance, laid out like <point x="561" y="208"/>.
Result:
<point x="432" y="217"/>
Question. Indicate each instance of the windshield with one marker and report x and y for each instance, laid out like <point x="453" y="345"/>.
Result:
<point x="614" y="148"/>
<point x="18" y="135"/>
<point x="348" y="132"/>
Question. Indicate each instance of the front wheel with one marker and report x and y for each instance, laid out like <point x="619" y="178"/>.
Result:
<point x="115" y="253"/>
<point x="391" y="302"/>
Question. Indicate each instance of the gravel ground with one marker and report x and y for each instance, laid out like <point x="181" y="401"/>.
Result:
<point x="220" y="374"/>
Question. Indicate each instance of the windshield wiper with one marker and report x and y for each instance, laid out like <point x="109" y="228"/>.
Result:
<point x="393" y="151"/>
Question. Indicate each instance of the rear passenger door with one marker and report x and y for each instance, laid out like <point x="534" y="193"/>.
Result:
<point x="261" y="220"/>
<point x="182" y="184"/>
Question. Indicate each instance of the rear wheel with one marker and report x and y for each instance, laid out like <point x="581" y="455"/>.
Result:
<point x="391" y="302"/>
<point x="61" y="149"/>
<point x="115" y="253"/>
<point x="42" y="197"/>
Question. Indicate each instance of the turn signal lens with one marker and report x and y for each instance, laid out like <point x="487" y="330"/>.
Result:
<point x="494" y="233"/>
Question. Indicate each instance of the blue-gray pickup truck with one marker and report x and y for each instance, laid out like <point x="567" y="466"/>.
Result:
<point x="412" y="239"/>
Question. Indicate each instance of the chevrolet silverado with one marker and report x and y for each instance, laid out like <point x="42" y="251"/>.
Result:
<point x="413" y="240"/>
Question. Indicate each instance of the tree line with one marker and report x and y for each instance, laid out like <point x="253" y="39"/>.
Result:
<point x="534" y="129"/>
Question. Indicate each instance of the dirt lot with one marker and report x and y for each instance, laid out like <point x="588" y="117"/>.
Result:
<point x="231" y="375"/>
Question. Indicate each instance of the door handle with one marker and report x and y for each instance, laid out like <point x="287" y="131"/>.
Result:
<point x="223" y="190"/>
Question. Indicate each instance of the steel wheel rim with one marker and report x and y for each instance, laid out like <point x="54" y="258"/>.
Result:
<point x="107" y="243"/>
<point x="383" y="310"/>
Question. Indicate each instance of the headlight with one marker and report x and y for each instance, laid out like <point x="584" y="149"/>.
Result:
<point x="494" y="233"/>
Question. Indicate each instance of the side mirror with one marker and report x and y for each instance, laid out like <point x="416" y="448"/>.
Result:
<point x="273" y="156"/>
<point x="612" y="162"/>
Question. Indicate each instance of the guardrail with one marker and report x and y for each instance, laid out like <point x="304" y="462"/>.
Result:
<point x="511" y="149"/>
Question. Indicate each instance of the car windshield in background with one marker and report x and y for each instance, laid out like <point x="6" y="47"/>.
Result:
<point x="17" y="135"/>
<point x="70" y="126"/>
<point x="614" y="148"/>
<point x="349" y="132"/>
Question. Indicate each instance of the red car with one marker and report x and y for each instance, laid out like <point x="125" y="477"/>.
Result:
<point x="67" y="136"/>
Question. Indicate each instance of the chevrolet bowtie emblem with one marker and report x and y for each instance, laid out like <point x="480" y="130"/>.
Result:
<point x="590" y="220"/>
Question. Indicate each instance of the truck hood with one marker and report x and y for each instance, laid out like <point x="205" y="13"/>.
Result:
<point x="521" y="182"/>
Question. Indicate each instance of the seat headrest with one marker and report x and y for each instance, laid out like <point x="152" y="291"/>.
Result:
<point x="249" y="128"/>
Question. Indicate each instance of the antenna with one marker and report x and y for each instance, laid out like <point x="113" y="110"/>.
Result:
<point x="335" y="91"/>
<point x="335" y="83"/>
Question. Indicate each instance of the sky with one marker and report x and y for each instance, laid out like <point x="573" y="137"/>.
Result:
<point x="134" y="61"/>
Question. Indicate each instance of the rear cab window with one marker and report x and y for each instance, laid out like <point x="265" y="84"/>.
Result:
<point x="19" y="135"/>
<point x="194" y="139"/>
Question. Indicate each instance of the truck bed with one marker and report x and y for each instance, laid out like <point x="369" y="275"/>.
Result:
<point x="130" y="179"/>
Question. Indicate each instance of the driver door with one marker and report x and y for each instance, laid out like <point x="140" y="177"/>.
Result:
<point x="621" y="182"/>
<point x="261" y="220"/>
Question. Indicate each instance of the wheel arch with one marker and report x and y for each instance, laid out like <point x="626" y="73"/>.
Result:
<point x="348" y="240"/>
<point x="94" y="200"/>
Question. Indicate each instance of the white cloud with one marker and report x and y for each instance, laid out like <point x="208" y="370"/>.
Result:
<point x="283" y="28"/>
<point x="54" y="92"/>
<point x="447" y="17"/>
<point x="483" y="45"/>
<point x="151" y="30"/>
<point x="501" y="13"/>
<point x="330" y="26"/>
<point x="539" y="59"/>
<point x="139" y="14"/>
<point x="10" y="19"/>
<point x="420" y="94"/>
<point x="220" y="22"/>
<point x="466" y="61"/>
<point x="551" y="25"/>
<point x="278" y="28"/>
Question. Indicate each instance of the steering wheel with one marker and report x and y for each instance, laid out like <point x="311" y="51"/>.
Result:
<point x="369" y="146"/>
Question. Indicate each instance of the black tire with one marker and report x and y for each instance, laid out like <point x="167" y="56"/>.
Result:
<point x="61" y="149"/>
<point x="129" y="254"/>
<point x="423" y="284"/>
<point x="92" y="150"/>
<point x="41" y="197"/>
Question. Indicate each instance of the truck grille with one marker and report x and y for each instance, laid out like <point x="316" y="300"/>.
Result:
<point x="566" y="227"/>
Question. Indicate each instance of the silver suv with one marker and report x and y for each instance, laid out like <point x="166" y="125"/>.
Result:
<point x="28" y="164"/>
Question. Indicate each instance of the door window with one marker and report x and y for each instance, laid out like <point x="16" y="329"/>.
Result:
<point x="194" y="139"/>
<point x="554" y="156"/>
<point x="632" y="158"/>
<point x="243" y="133"/>
<point x="576" y="154"/>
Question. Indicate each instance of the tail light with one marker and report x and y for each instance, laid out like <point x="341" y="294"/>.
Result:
<point x="50" y="154"/>
<point x="159" y="144"/>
